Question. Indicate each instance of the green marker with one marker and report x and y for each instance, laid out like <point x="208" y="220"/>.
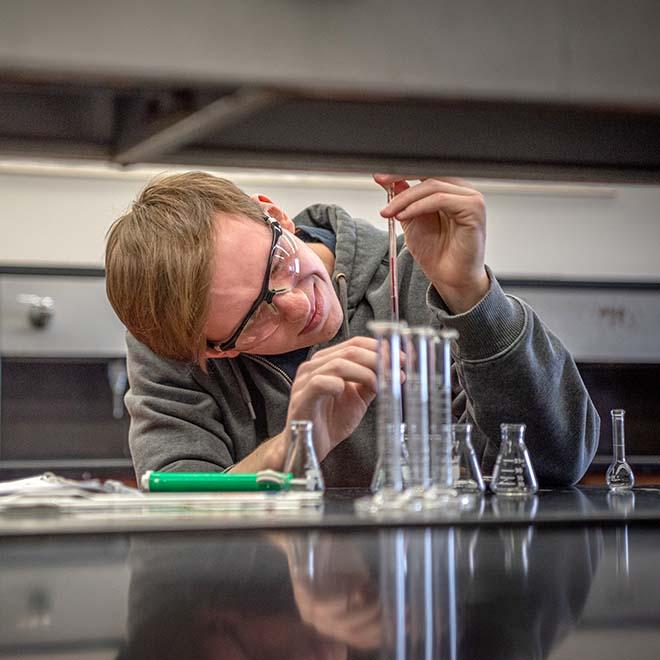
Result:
<point x="189" y="482"/>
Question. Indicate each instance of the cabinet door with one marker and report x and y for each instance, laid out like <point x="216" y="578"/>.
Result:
<point x="81" y="322"/>
<point x="600" y="325"/>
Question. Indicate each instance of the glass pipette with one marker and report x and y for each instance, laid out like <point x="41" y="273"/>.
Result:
<point x="394" y="277"/>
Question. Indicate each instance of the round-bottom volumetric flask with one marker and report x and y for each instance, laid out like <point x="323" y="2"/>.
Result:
<point x="465" y="465"/>
<point x="619" y="474"/>
<point x="513" y="473"/>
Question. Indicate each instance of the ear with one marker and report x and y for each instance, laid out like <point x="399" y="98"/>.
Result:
<point x="274" y="211"/>
<point x="213" y="353"/>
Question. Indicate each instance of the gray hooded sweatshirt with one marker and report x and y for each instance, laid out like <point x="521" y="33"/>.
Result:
<point x="509" y="368"/>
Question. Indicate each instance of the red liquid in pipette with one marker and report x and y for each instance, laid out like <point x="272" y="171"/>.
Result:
<point x="394" y="278"/>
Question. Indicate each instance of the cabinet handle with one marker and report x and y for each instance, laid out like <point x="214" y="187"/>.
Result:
<point x="40" y="308"/>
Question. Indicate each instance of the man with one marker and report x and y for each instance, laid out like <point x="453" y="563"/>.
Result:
<point x="237" y="326"/>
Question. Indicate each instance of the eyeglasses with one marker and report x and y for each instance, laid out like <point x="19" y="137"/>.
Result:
<point x="282" y="274"/>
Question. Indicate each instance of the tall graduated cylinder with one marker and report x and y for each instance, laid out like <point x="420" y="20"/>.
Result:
<point x="388" y="411"/>
<point x="418" y="343"/>
<point x="440" y="437"/>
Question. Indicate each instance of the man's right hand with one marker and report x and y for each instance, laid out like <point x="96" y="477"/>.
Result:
<point x="333" y="389"/>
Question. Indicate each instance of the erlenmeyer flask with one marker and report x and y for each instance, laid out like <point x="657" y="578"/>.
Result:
<point x="513" y="473"/>
<point x="301" y="458"/>
<point x="467" y="473"/>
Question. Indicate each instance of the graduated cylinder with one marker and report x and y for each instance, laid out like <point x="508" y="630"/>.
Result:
<point x="388" y="411"/>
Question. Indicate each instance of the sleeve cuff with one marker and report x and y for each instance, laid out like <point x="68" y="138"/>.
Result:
<point x="491" y="327"/>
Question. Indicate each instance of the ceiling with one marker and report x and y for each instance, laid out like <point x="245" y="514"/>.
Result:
<point x="554" y="90"/>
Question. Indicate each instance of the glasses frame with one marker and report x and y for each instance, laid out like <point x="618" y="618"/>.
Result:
<point x="265" y="295"/>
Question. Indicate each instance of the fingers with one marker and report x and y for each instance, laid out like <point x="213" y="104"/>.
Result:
<point x="455" y="205"/>
<point x="429" y="188"/>
<point x="389" y="179"/>
<point x="359" y="352"/>
<point x="317" y="386"/>
<point x="355" y="346"/>
<point x="323" y="378"/>
<point x="346" y="349"/>
<point x="362" y="356"/>
<point x="345" y="371"/>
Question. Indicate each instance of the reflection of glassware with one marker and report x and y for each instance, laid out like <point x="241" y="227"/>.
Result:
<point x="418" y="594"/>
<point x="302" y="555"/>
<point x="301" y="458"/>
<point x="417" y="347"/>
<point x="516" y="541"/>
<point x="467" y="473"/>
<point x="515" y="509"/>
<point x="621" y="502"/>
<point x="513" y="473"/>
<point x="388" y="480"/>
<point x="622" y="552"/>
<point x="619" y="474"/>
<point x="466" y="545"/>
<point x="444" y="601"/>
<point x="393" y="593"/>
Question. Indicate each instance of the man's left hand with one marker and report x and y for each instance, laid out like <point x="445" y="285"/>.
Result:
<point x="444" y="222"/>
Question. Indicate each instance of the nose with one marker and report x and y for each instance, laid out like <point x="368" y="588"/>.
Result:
<point x="293" y="305"/>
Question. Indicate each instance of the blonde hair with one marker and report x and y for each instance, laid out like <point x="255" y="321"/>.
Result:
<point x="159" y="257"/>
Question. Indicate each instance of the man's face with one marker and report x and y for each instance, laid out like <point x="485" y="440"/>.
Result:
<point x="308" y="314"/>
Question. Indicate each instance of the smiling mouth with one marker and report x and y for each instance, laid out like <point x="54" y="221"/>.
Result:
<point x="316" y="313"/>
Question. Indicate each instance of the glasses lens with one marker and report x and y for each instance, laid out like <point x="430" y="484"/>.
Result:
<point x="285" y="269"/>
<point x="284" y="276"/>
<point x="261" y="326"/>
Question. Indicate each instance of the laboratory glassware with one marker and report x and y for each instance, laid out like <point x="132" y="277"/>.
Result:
<point x="377" y="481"/>
<point x="418" y="344"/>
<point x="379" y="473"/>
<point x="619" y="474"/>
<point x="301" y="460"/>
<point x="394" y="277"/>
<point x="388" y="480"/>
<point x="513" y="473"/>
<point x="440" y="430"/>
<point x="466" y="471"/>
<point x="392" y="570"/>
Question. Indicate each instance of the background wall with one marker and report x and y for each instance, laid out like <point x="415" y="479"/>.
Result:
<point x="58" y="214"/>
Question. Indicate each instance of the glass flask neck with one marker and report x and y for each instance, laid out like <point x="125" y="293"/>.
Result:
<point x="300" y="432"/>
<point x="513" y="435"/>
<point x="618" y="436"/>
<point x="301" y="460"/>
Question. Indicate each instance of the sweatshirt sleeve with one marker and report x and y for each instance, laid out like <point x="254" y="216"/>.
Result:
<point x="175" y="424"/>
<point x="513" y="369"/>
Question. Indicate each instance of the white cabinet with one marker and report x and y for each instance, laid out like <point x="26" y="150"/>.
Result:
<point x="600" y="325"/>
<point x="81" y="324"/>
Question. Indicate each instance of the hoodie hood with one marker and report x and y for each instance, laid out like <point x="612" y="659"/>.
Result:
<point x="361" y="248"/>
